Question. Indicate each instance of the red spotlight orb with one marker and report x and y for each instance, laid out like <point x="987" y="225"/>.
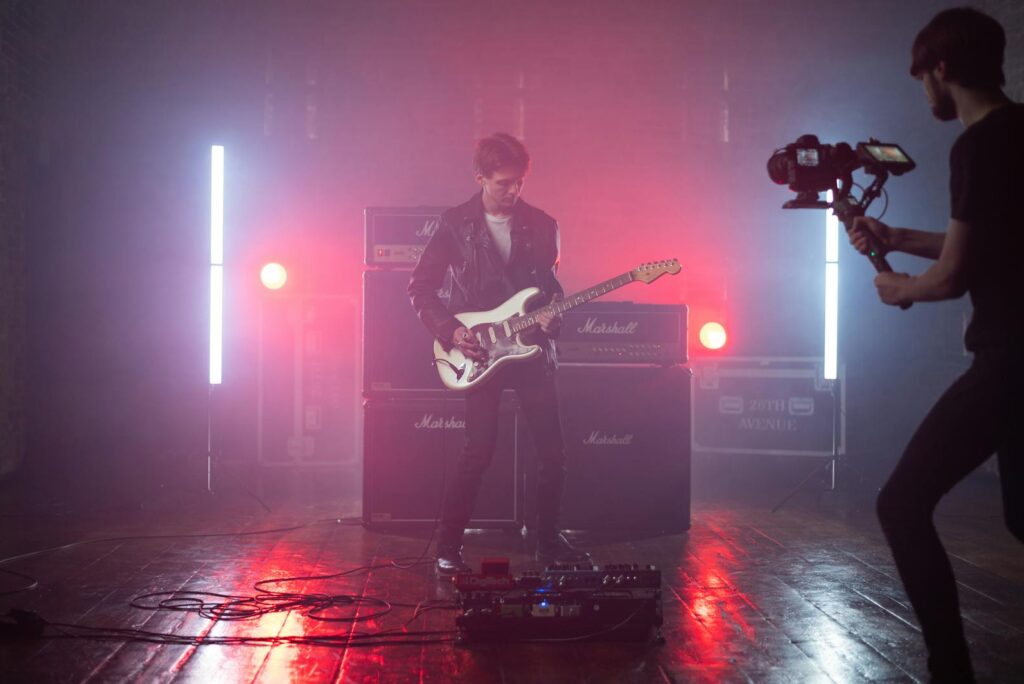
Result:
<point x="712" y="335"/>
<point x="273" y="276"/>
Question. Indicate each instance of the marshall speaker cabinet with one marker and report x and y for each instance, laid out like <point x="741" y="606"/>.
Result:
<point x="398" y="351"/>
<point x="395" y="236"/>
<point x="624" y="332"/>
<point x="627" y="438"/>
<point x="410" y="448"/>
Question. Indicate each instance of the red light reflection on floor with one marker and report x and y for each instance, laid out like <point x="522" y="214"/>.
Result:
<point x="280" y="662"/>
<point x="714" y="620"/>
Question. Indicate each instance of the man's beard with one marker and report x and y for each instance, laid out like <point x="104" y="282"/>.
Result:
<point x="944" y="107"/>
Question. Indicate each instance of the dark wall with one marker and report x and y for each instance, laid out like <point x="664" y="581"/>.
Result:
<point x="118" y="261"/>
<point x="649" y="124"/>
<point x="25" y="31"/>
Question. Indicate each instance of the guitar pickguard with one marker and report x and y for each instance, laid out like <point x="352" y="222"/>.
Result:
<point x="503" y="349"/>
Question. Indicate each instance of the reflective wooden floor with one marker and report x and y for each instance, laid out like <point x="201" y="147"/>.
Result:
<point x="803" y="595"/>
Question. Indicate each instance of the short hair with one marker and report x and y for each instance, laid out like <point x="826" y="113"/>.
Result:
<point x="499" y="151"/>
<point x="970" y="42"/>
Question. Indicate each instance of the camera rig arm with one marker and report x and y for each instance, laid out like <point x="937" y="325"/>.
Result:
<point x="847" y="208"/>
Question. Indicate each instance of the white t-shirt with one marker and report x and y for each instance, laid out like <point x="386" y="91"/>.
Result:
<point x="500" y="228"/>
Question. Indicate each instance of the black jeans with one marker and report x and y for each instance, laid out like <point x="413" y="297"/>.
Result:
<point x="534" y="384"/>
<point x="977" y="416"/>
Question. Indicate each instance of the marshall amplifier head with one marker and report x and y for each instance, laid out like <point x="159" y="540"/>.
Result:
<point x="395" y="236"/>
<point x="623" y="332"/>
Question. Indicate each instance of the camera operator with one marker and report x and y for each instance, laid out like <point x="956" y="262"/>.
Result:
<point x="958" y="56"/>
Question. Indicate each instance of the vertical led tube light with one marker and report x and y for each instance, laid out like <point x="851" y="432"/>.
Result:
<point x="831" y="294"/>
<point x="216" y="263"/>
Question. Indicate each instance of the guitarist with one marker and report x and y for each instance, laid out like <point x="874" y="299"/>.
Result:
<point x="495" y="245"/>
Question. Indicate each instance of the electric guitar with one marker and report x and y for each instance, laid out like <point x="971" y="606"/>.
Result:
<point x="498" y="331"/>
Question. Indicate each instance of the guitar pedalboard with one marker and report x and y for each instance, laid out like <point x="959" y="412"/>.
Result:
<point x="563" y="603"/>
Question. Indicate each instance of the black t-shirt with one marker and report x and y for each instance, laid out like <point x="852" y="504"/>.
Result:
<point x="987" y="192"/>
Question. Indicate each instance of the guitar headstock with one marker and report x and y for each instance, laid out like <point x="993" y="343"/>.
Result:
<point x="650" y="272"/>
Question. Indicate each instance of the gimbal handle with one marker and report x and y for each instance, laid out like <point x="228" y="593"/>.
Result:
<point x="847" y="209"/>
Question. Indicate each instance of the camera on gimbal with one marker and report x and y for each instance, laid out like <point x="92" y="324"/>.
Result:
<point x="810" y="167"/>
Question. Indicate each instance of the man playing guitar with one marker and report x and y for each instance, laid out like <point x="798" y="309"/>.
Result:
<point x="495" y="245"/>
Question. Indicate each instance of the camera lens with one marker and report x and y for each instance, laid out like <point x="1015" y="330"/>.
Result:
<point x="778" y="167"/>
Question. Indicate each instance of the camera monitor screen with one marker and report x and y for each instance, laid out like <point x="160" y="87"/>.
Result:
<point x="888" y="153"/>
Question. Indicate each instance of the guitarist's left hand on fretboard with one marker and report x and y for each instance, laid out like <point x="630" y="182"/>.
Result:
<point x="549" y="322"/>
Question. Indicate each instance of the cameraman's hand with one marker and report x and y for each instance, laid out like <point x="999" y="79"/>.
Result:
<point x="892" y="288"/>
<point x="864" y="227"/>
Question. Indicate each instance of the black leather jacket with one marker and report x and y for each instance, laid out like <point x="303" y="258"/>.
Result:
<point x="479" y="279"/>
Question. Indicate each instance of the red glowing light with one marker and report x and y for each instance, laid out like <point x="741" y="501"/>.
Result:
<point x="273" y="276"/>
<point x="712" y="335"/>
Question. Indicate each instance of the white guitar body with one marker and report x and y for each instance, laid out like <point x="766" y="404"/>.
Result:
<point x="459" y="372"/>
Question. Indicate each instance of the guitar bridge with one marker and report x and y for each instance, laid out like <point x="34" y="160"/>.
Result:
<point x="478" y="368"/>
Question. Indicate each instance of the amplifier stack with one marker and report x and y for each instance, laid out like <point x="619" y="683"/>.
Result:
<point x="413" y="428"/>
<point x="624" y="406"/>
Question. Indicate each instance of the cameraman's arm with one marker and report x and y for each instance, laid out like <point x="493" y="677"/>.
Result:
<point x="945" y="279"/>
<point x="920" y="243"/>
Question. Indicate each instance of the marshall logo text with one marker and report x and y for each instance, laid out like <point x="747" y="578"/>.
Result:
<point x="429" y="422"/>
<point x="429" y="228"/>
<point x="600" y="439"/>
<point x="592" y="327"/>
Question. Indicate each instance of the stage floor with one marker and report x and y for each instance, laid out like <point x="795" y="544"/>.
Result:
<point x="806" y="594"/>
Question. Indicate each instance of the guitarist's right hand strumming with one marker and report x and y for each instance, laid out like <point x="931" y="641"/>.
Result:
<point x="465" y="341"/>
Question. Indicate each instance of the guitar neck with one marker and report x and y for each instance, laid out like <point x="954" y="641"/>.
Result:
<point x="572" y="301"/>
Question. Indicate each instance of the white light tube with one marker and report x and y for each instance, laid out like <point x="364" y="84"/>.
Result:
<point x="216" y="264"/>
